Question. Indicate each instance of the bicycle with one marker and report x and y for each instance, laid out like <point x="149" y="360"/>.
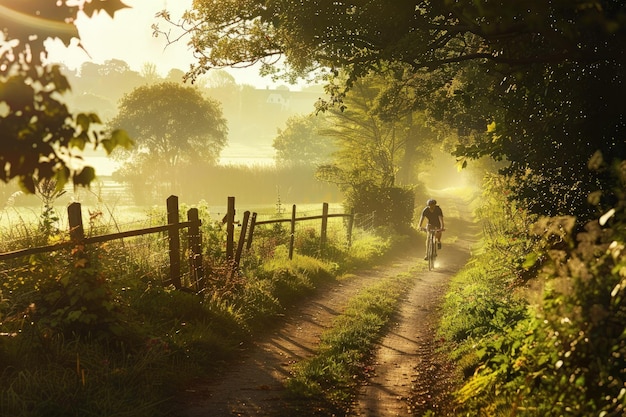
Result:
<point x="431" y="246"/>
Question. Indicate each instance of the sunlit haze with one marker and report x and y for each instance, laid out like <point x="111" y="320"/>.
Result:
<point x="129" y="37"/>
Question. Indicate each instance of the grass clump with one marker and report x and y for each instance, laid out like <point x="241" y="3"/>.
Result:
<point x="331" y="377"/>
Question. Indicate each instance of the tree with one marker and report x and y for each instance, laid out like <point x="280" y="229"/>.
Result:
<point x="355" y="36"/>
<point x="112" y="79"/>
<point x="220" y="79"/>
<point x="174" y="126"/>
<point x="175" y="75"/>
<point x="377" y="134"/>
<point x="301" y="144"/>
<point x="41" y="138"/>
<point x="149" y="73"/>
<point x="376" y="131"/>
<point x="547" y="72"/>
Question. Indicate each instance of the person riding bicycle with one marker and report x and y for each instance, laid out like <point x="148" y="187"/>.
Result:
<point x="434" y="214"/>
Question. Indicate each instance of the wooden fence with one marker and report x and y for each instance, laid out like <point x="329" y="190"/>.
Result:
<point x="193" y="223"/>
<point x="172" y="228"/>
<point x="249" y="223"/>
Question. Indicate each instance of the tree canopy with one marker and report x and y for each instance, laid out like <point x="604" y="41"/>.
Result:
<point x="374" y="143"/>
<point x="358" y="35"/>
<point x="174" y="123"/>
<point x="39" y="134"/>
<point x="174" y="126"/>
<point x="532" y="83"/>
<point x="300" y="143"/>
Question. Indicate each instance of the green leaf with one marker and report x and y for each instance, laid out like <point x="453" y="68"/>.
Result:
<point x="530" y="261"/>
<point x="83" y="121"/>
<point x="110" y="7"/>
<point x="84" y="177"/>
<point x="74" y="315"/>
<point x="62" y="176"/>
<point x="27" y="184"/>
<point x="119" y="137"/>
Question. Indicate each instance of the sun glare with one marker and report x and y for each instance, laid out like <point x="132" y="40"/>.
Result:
<point x="8" y="14"/>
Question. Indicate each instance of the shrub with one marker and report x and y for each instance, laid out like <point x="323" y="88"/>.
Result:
<point x="566" y="355"/>
<point x="393" y="206"/>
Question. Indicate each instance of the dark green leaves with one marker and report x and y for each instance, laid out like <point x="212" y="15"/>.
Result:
<point x="38" y="133"/>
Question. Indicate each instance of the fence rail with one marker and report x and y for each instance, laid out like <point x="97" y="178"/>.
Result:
<point x="293" y="220"/>
<point x="192" y="225"/>
<point x="172" y="228"/>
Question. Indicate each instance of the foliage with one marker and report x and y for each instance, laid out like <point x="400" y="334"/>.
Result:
<point x="41" y="137"/>
<point x="532" y="83"/>
<point x="174" y="127"/>
<point x="565" y="354"/>
<point x="485" y="299"/>
<point x="355" y="37"/>
<point x="301" y="143"/>
<point x="77" y="299"/>
<point x="174" y="122"/>
<point x="376" y="136"/>
<point x="392" y="207"/>
<point x="380" y="142"/>
<point x="505" y="230"/>
<point x="48" y="192"/>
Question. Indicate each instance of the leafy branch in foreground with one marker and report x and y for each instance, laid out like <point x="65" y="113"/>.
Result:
<point x="41" y="137"/>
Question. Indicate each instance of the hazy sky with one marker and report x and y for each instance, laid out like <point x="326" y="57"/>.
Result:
<point x="129" y="37"/>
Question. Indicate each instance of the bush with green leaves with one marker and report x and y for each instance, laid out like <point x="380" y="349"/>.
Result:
<point x="72" y="296"/>
<point x="392" y="206"/>
<point x="566" y="354"/>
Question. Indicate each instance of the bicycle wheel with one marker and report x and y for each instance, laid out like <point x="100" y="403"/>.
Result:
<point x="430" y="251"/>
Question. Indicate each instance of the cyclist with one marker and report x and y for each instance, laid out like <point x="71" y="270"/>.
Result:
<point x="433" y="213"/>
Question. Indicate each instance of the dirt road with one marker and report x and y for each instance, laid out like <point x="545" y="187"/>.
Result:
<point x="409" y="377"/>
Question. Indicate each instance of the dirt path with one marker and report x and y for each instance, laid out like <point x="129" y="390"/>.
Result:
<point x="410" y="376"/>
<point x="404" y="374"/>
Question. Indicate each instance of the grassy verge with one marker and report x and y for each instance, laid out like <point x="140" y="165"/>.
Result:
<point x="331" y="377"/>
<point x="536" y="320"/>
<point x="94" y="333"/>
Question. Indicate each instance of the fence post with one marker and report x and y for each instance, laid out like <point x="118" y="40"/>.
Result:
<point x="324" y="228"/>
<point x="292" y="236"/>
<point x="195" y="249"/>
<point x="350" y="225"/>
<point x="75" y="220"/>
<point x="251" y="232"/>
<point x="242" y="238"/>
<point x="230" y="228"/>
<point x="174" y="240"/>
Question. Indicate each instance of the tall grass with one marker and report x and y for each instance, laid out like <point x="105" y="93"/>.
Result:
<point x="91" y="331"/>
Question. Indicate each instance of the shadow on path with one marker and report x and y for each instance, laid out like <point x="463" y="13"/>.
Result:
<point x="253" y="386"/>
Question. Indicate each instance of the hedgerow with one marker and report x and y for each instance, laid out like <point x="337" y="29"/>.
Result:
<point x="553" y="343"/>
